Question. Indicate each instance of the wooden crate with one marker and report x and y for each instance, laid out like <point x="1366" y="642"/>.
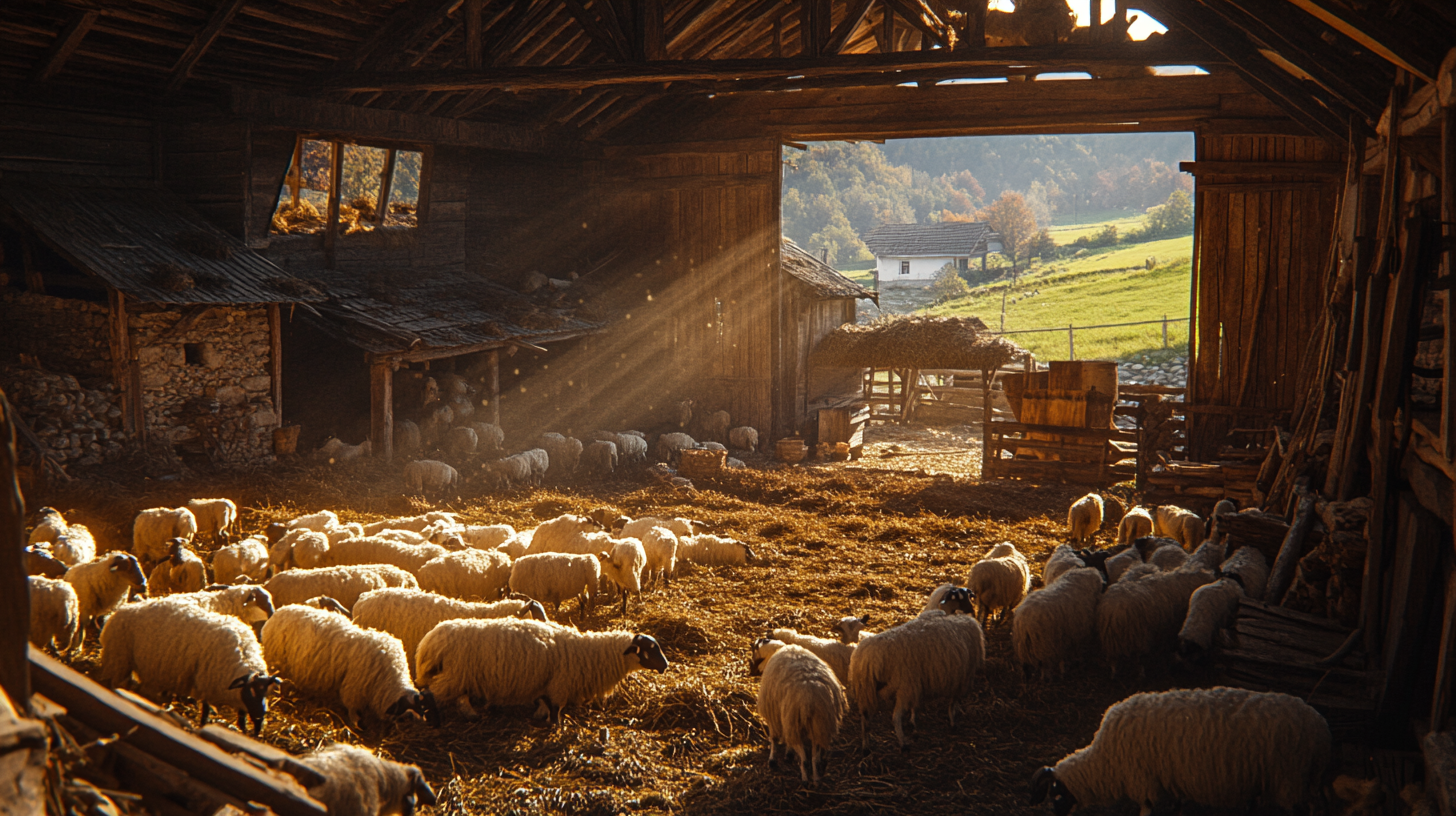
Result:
<point x="844" y="425"/>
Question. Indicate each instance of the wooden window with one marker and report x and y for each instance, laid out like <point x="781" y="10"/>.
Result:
<point x="904" y="267"/>
<point x="376" y="187"/>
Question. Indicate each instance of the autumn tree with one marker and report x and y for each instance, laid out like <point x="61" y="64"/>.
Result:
<point x="1010" y="216"/>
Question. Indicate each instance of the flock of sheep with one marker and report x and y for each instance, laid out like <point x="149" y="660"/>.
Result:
<point x="424" y="615"/>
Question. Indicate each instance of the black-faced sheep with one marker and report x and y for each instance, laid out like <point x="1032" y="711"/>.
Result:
<point x="343" y="584"/>
<point x="799" y="701"/>
<point x="102" y="585"/>
<point x="1084" y="518"/>
<point x="75" y="546"/>
<point x="1051" y="627"/>
<point x="49" y="526"/>
<point x="246" y="560"/>
<point x="928" y="657"/>
<point x="410" y="614"/>
<point x="358" y="783"/>
<point x="154" y="529"/>
<point x="183" y="571"/>
<point x="999" y="580"/>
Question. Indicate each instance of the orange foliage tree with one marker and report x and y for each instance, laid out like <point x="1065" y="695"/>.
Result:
<point x="1010" y="216"/>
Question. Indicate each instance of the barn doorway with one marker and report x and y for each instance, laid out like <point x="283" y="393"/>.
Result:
<point x="325" y="385"/>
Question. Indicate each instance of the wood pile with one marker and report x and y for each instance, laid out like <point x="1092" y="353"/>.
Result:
<point x="1175" y="482"/>
<point x="1254" y="528"/>
<point x="1328" y="580"/>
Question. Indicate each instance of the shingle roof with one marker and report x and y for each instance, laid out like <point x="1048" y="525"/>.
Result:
<point x="959" y="239"/>
<point x="824" y="280"/>
<point x="149" y="244"/>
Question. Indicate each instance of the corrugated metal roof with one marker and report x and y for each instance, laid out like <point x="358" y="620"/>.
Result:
<point x="826" y="281"/>
<point x="957" y="239"/>
<point x="149" y="244"/>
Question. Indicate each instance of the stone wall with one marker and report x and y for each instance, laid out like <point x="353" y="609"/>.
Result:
<point x="60" y="333"/>
<point x="76" y="424"/>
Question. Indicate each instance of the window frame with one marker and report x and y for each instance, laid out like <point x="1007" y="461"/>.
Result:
<point x="292" y="179"/>
<point x="904" y="267"/>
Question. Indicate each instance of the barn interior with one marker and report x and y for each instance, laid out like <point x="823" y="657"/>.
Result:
<point x="576" y="211"/>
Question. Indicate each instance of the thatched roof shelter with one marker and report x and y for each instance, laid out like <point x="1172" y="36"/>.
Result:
<point x="916" y="342"/>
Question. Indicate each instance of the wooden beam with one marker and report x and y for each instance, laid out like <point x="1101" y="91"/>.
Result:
<point x="414" y="19"/>
<point x="381" y="409"/>
<point x="1258" y="168"/>
<point x="624" y="109"/>
<point x="221" y="16"/>
<point x="650" y="37"/>
<point x="66" y="44"/>
<point x="336" y="185"/>
<point x="596" y="31"/>
<point x="852" y="20"/>
<point x="275" y="358"/>
<point x="1392" y="44"/>
<point x="386" y="183"/>
<point x="474" y="48"/>
<point x="1282" y="573"/>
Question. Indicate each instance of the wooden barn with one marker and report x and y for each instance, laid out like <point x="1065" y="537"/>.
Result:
<point x="819" y="300"/>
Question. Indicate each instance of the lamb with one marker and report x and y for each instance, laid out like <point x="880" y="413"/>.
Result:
<point x="327" y="655"/>
<point x="410" y="614"/>
<point x="556" y="577"/>
<point x="154" y="529"/>
<point x="374" y="550"/>
<point x="743" y="438"/>
<point x="1052" y="626"/>
<point x="999" y="580"/>
<point x="488" y="437"/>
<point x="623" y="565"/>
<point x="344" y="584"/>
<point x="55" y="613"/>
<point x="1084" y="518"/>
<point x="671" y="445"/>
<point x="527" y="662"/>
<point x="716" y="425"/>
<point x="600" y="458"/>
<point x="428" y="474"/>
<point x="50" y="526"/>
<point x="357" y="783"/>
<point x="1181" y="525"/>
<point x="1136" y="618"/>
<point x="103" y="584"/>
<point x="468" y="574"/>
<point x="180" y="648"/>
<point x="799" y="701"/>
<point x="75" y="546"/>
<point x="216" y="517"/>
<point x="835" y="653"/>
<point x="38" y="561"/>
<point x="249" y="604"/>
<point x="320" y="522"/>
<point x="711" y="550"/>
<point x="849" y="629"/>
<point x="1222" y="747"/>
<point x="660" y="545"/>
<point x="298" y="548"/>
<point x="936" y="656"/>
<point x="246" y="560"/>
<point x="1213" y="606"/>
<point x="1137" y="523"/>
<point x="477" y="536"/>
<point x="563" y="453"/>
<point x="183" y="571"/>
<point x="517" y="545"/>
<point x="637" y="528"/>
<point x="949" y="599"/>
<point x="1063" y="558"/>
<point x="562" y="534"/>
<point x="528" y="467"/>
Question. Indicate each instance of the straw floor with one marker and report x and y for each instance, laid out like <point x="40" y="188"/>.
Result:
<point x="831" y="542"/>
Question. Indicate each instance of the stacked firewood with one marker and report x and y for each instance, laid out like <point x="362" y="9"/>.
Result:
<point x="1329" y="577"/>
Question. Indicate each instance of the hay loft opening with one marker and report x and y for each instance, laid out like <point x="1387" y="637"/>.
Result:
<point x="375" y="187"/>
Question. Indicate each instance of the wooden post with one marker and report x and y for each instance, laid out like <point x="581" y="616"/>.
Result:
<point x="1448" y="215"/>
<point x="381" y="408"/>
<point x="120" y="355"/>
<point x="1445" y="656"/>
<point x="14" y="596"/>
<point x="1095" y="11"/>
<point x="331" y="227"/>
<point x="295" y="175"/>
<point x="986" y="376"/>
<point x="978" y="40"/>
<point x="474" y="49"/>
<point x="386" y="182"/>
<point x="275" y="362"/>
<point x="493" y="380"/>
<point x="1290" y="551"/>
<point x="1165" y="330"/>
<point x="1071" y="344"/>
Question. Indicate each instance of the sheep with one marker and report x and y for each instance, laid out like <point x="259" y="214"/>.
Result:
<point x="1116" y="566"/>
<point x="55" y="613"/>
<point x="298" y="548"/>
<point x="488" y="437"/>
<point x="183" y="571"/>
<point x="949" y="599"/>
<point x="1140" y="617"/>
<point x="429" y="474"/>
<point x="562" y="534"/>
<point x="528" y="467"/>
<point x="526" y="662"/>
<point x="1063" y="558"/>
<point x="624" y="564"/>
<point x="1084" y="518"/>
<point x="320" y="522"/>
<point x="743" y="438"/>
<point x="375" y="550"/>
<point x="799" y="701"/>
<point x="461" y="442"/>
<point x="556" y="577"/>
<point x="671" y="445"/>
<point x="328" y="604"/>
<point x="344" y="584"/>
<point x="180" y="648"/>
<point x="216" y="517"/>
<point x="103" y="584"/>
<point x="835" y="653"/>
<point x="999" y="580"/>
<point x="1222" y="747"/>
<point x="247" y="603"/>
<point x="154" y="529"/>
<point x="1169" y="558"/>
<point x="245" y="560"/>
<point x="563" y="453"/>
<point x="407" y="439"/>
<point x="517" y="545"/>
<point x="357" y="783"/>
<point x="1213" y="606"/>
<point x="1113" y="511"/>
<point x="711" y="550"/>
<point x="711" y="446"/>
<point x="50" y="526"/>
<point x="1051" y="626"/>
<point x="477" y="536"/>
<point x="716" y="425"/>
<point x="631" y="448"/>
<point x="849" y="629"/>
<point x="660" y="545"/>
<point x="75" y="546"/>
<point x="600" y="458"/>
<point x="637" y="528"/>
<point x="327" y="655"/>
<point x="737" y="464"/>
<point x="336" y="452"/>
<point x="414" y="524"/>
<point x="1137" y="523"/>
<point x="1183" y="526"/>
<point x="38" y="561"/>
<point x="926" y="657"/>
<point x="410" y="614"/>
<point x="468" y="574"/>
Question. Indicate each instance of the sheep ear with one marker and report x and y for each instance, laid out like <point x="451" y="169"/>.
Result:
<point x="1041" y="783"/>
<point x="865" y="619"/>
<point x="422" y="788"/>
<point x="241" y="681"/>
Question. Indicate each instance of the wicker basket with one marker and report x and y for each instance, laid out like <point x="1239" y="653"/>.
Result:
<point x="701" y="464"/>
<point x="791" y="449"/>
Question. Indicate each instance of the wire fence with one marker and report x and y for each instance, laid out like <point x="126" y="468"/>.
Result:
<point x="1114" y="345"/>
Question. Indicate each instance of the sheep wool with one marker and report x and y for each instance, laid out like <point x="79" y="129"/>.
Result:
<point x="298" y="548"/>
<point x="630" y="448"/>
<point x="600" y="458"/>
<point x="1120" y="563"/>
<point x="1252" y="570"/>
<point x="1213" y="606"/>
<point x="660" y="545"/>
<point x="1137" y="523"/>
<point x="1084" y="518"/>
<point x="183" y="571"/>
<point x="527" y="662"/>
<point x="1224" y="507"/>
<point x="378" y="549"/>
<point x="1225" y="748"/>
<point x="623" y="564"/>
<point x="478" y="536"/>
<point x="563" y="534"/>
<point x="799" y="701"/>
<point x="467" y="574"/>
<point x="154" y="529"/>
<point x="327" y="655"/>
<point x="1178" y="524"/>
<point x="75" y="546"/>
<point x="1053" y="626"/>
<point x="1063" y="558"/>
<point x="103" y="584"/>
<point x="320" y="522"/>
<point x="50" y="526"/>
<point x="563" y="454"/>
<point x="410" y="614"/>
<point x="343" y="584"/>
<point x="38" y="561"/>
<point x="214" y="516"/>
<point x="834" y="653"/>
<point x="358" y="783"/>
<point x="431" y="475"/>
<point x="517" y="545"/>
<point x="246" y="560"/>
<point x="999" y="580"/>
<point x="924" y="658"/>
<point x="1141" y="617"/>
<point x="55" y="613"/>
<point x="671" y="445"/>
<point x="1168" y="558"/>
<point x="488" y="437"/>
<point x="849" y="629"/>
<point x="743" y="438"/>
<point x="249" y="604"/>
<point x="712" y="551"/>
<point x="414" y="524"/>
<point x="556" y="577"/>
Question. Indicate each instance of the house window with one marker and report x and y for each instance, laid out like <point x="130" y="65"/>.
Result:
<point x="192" y="354"/>
<point x="378" y="187"/>
<point x="904" y="267"/>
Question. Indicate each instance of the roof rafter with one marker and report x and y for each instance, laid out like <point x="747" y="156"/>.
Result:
<point x="600" y="33"/>
<point x="66" y="44"/>
<point x="1391" y="44"/>
<point x="221" y="16"/>
<point x="857" y="11"/>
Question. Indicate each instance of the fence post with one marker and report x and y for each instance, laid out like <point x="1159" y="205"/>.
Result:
<point x="1071" y="344"/>
<point x="1165" y="330"/>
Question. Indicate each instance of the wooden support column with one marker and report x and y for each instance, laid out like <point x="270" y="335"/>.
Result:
<point x="474" y="50"/>
<point x="987" y="375"/>
<point x="121" y="357"/>
<point x="386" y="184"/>
<point x="14" y="597"/>
<point x="336" y="183"/>
<point x="381" y="408"/>
<point x="275" y="359"/>
<point x="1446" y="655"/>
<point x="1448" y="215"/>
<point x="1415" y="550"/>
<point x="493" y="381"/>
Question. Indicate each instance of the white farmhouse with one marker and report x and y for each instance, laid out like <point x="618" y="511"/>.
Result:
<point x="911" y="254"/>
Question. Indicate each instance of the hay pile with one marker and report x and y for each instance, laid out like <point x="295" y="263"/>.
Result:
<point x="301" y="220"/>
<point x="914" y="341"/>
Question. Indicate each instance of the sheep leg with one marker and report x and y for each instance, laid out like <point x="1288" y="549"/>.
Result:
<point x="899" y="720"/>
<point x="773" y="752"/>
<point x="803" y="763"/>
<point x="951" y="714"/>
<point x="207" y="712"/>
<point x="864" y="742"/>
<point x="814" y="759"/>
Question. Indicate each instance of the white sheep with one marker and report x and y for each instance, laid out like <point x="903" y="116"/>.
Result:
<point x="247" y="603"/>
<point x="525" y="468"/>
<point x="849" y="629"/>
<point x="183" y="571"/>
<point x="556" y="577"/>
<point x="660" y="545"/>
<point x="55" y="613"/>
<point x="716" y="425"/>
<point x="927" y="657"/>
<point x="563" y="534"/>
<point x="154" y="529"/>
<point x="1120" y="563"/>
<point x="407" y="438"/>
<point x="1137" y="523"/>
<point x="671" y="445"/>
<point x="376" y="549"/>
<point x="799" y="701"/>
<point x="488" y="437"/>
<point x="320" y="522"/>
<point x="75" y="546"/>
<point x="1224" y="748"/>
<point x="563" y="453"/>
<point x="338" y="453"/>
<point x="1213" y="606"/>
<point x="743" y="438"/>
<point x="296" y="548"/>
<point x="1169" y="557"/>
<point x="1183" y="526"/>
<point x="358" y="783"/>
<point x="1084" y="518"/>
<point x="325" y="654"/>
<point x="600" y="458"/>
<point x="460" y="442"/>
<point x="477" y="536"/>
<point x="1062" y="559"/>
<point x="631" y="448"/>
<point x="1140" y="617"/>
<point x="410" y="614"/>
<point x="428" y="474"/>
<point x="48" y="527"/>
<point x="527" y="662"/>
<point x="517" y="545"/>
<point x="638" y="527"/>
<point x="415" y="524"/>
<point x="999" y="580"/>
<point x="711" y="550"/>
<point x="245" y="560"/>
<point x="1051" y="627"/>
<point x="102" y="585"/>
<point x="180" y="648"/>
<point x="343" y="584"/>
<point x="835" y="653"/>
<point x="216" y="517"/>
<point x="467" y="574"/>
<point x="1224" y="507"/>
<point x="623" y="564"/>
<point x="949" y="599"/>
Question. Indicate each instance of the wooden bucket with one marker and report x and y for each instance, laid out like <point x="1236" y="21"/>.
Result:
<point x="285" y="440"/>
<point x="701" y="464"/>
<point x="791" y="449"/>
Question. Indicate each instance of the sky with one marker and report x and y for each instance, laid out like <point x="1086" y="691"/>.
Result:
<point x="1140" y="29"/>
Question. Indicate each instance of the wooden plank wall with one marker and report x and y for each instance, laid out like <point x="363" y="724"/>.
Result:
<point x="1262" y="242"/>
<point x="810" y="320"/>
<point x="46" y="142"/>
<point x="208" y="163"/>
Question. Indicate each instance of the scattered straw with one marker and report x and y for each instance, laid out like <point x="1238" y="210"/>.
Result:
<point x="912" y="341"/>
